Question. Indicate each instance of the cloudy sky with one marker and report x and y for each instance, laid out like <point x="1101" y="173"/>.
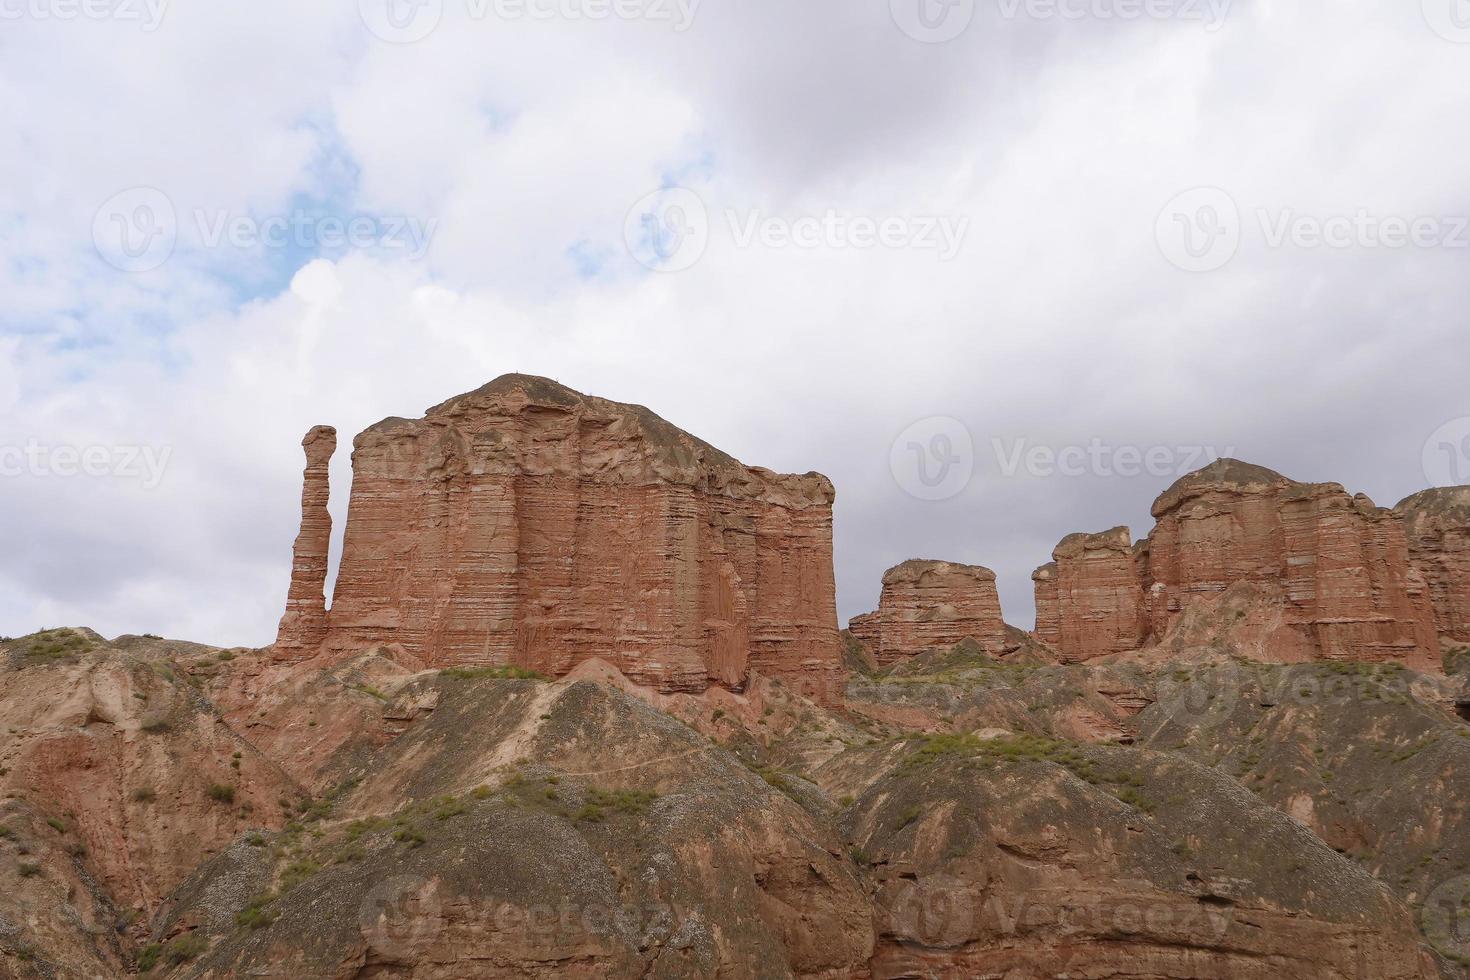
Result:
<point x="1000" y="268"/>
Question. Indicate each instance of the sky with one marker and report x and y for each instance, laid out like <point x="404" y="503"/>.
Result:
<point x="1002" y="269"/>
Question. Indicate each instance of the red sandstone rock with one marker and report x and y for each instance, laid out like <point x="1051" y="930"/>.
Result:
<point x="1089" y="600"/>
<point x="1438" y="525"/>
<point x="1334" y="568"/>
<point x="304" y="625"/>
<point x="1340" y="563"/>
<point x="929" y="604"/>
<point x="527" y="524"/>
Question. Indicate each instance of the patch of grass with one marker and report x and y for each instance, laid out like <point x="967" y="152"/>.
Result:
<point x="448" y="807"/>
<point x="221" y="792"/>
<point x="187" y="947"/>
<point x="156" y="726"/>
<point x="56" y="824"/>
<point x="149" y="956"/>
<point x="6" y="833"/>
<point x="492" y="673"/>
<point x="410" y="836"/>
<point x="27" y="870"/>
<point x="907" y="817"/>
<point x="370" y="691"/>
<point x="257" y="913"/>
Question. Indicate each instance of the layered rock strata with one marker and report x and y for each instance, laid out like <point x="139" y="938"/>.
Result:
<point x="931" y="604"/>
<point x="304" y="625"/>
<point x="1437" y="522"/>
<point x="1335" y="568"/>
<point x="526" y="524"/>
<point x="1089" y="599"/>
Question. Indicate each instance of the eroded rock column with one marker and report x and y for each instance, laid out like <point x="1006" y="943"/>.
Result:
<point x="304" y="625"/>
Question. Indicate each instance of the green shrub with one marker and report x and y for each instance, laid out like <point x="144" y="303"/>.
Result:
<point x="56" y="824"/>
<point x="221" y="792"/>
<point x="187" y="947"/>
<point x="494" y="673"/>
<point x="28" y="870"/>
<point x="148" y="957"/>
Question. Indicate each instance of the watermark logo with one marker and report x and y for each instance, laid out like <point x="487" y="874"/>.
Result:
<point x="1450" y="19"/>
<point x="935" y="912"/>
<point x="1207" y="697"/>
<point x="144" y="465"/>
<point x="1199" y="230"/>
<point x="1446" y="918"/>
<point x="932" y="21"/>
<point x="400" y="915"/>
<point x="136" y="230"/>
<point x="933" y="459"/>
<point x="401" y="21"/>
<point x="668" y="230"/>
<point x="147" y="14"/>
<point x="1446" y="455"/>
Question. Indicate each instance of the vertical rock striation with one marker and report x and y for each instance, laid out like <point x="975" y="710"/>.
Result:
<point x="1089" y="600"/>
<point x="1437" y="522"/>
<point x="929" y="604"/>
<point x="526" y="524"/>
<point x="1335" y="568"/>
<point x="304" y="625"/>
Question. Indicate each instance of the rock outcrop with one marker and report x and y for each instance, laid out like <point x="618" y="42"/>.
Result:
<point x="1089" y="599"/>
<point x="304" y="625"/>
<point x="525" y="524"/>
<point x="1438" y="525"/>
<point x="931" y="604"/>
<point x="1334" y="567"/>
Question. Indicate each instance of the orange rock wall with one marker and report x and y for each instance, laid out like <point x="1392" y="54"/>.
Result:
<point x="525" y="524"/>
<point x="1338" y="565"/>
<point x="1437" y="523"/>
<point x="929" y="604"/>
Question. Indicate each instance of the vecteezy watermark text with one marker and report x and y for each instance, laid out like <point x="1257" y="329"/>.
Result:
<point x="407" y="21"/>
<point x="144" y="464"/>
<point x="138" y="230"/>
<point x="1097" y="458"/>
<point x="937" y="21"/>
<point x="147" y="14"/>
<point x="670" y="229"/>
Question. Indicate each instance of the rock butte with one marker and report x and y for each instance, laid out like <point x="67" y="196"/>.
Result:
<point x="526" y="524"/>
<point x="928" y="604"/>
<point x="1438" y="526"/>
<point x="1337" y="570"/>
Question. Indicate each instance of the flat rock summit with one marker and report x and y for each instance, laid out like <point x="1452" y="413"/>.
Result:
<point x="580" y="706"/>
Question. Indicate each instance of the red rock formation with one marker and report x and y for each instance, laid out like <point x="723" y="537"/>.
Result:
<point x="526" y="524"/>
<point x="1089" y="600"/>
<point x="928" y="604"/>
<point x="1339" y="564"/>
<point x="304" y="625"/>
<point x="1335" y="569"/>
<point x="1438" y="525"/>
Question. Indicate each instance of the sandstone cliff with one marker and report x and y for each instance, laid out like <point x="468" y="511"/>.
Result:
<point x="1089" y="600"/>
<point x="1333" y="568"/>
<point x="525" y="524"/>
<point x="929" y="604"/>
<point x="1438" y="526"/>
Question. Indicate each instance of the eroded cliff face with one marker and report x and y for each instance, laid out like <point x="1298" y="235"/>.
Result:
<point x="1333" y="569"/>
<point x="930" y="604"/>
<point x="526" y="524"/>
<point x="1089" y="599"/>
<point x="1437" y="522"/>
